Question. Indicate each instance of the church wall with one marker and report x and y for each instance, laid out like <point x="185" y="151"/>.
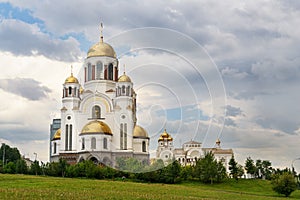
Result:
<point x="99" y="87"/>
<point x="138" y="144"/>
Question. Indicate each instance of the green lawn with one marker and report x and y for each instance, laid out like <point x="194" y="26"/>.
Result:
<point x="38" y="187"/>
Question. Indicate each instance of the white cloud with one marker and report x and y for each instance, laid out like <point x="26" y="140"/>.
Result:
<point x="25" y="39"/>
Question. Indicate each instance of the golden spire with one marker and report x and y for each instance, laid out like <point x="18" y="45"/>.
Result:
<point x="71" y="70"/>
<point x="101" y="32"/>
<point x="124" y="69"/>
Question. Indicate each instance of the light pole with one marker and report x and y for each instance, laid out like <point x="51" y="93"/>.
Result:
<point x="35" y="156"/>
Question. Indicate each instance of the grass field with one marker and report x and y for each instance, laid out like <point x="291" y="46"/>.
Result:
<point x="39" y="187"/>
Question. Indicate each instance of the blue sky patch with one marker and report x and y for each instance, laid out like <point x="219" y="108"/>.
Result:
<point x="185" y="113"/>
<point x="7" y="11"/>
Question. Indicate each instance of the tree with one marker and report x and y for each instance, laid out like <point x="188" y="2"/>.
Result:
<point x="249" y="166"/>
<point x="258" y="169"/>
<point x="208" y="170"/>
<point x="186" y="172"/>
<point x="9" y="154"/>
<point x="267" y="169"/>
<point x="62" y="166"/>
<point x="240" y="170"/>
<point x="233" y="167"/>
<point x="21" y="167"/>
<point x="10" y="168"/>
<point x="171" y="173"/>
<point x="35" y="168"/>
<point x="284" y="184"/>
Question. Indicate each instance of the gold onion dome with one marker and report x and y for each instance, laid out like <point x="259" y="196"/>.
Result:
<point x="96" y="127"/>
<point x="124" y="78"/>
<point x="57" y="135"/>
<point x="71" y="79"/>
<point x="165" y="135"/>
<point x="140" y="132"/>
<point x="170" y="138"/>
<point x="101" y="49"/>
<point x="160" y="138"/>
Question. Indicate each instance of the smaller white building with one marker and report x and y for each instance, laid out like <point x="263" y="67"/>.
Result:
<point x="190" y="152"/>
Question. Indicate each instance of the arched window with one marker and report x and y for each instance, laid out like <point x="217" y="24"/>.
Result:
<point x="127" y="91"/>
<point x="89" y="72"/>
<point x="54" y="148"/>
<point x="110" y="72"/>
<point x="67" y="137"/>
<point x="121" y="136"/>
<point x="223" y="160"/>
<point x="123" y="90"/>
<point x="105" y="143"/>
<point x="70" y="143"/>
<point x="144" y="146"/>
<point x="125" y="136"/>
<point x="99" y="70"/>
<point x="70" y="91"/>
<point x="96" y="112"/>
<point x="83" y="144"/>
<point x="93" y="143"/>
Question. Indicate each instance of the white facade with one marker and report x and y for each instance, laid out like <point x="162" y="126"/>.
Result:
<point x="98" y="117"/>
<point x="190" y="152"/>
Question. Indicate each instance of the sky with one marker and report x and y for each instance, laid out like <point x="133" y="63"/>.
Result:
<point x="202" y="69"/>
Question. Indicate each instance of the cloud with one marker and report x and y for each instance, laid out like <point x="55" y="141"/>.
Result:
<point x="229" y="122"/>
<point x="256" y="53"/>
<point x="25" y="87"/>
<point x="233" y="111"/>
<point x="25" y="39"/>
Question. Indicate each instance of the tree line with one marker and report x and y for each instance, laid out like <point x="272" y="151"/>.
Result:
<point x="206" y="170"/>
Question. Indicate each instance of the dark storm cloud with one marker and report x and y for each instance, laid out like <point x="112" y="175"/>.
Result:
<point x="20" y="38"/>
<point x="25" y="87"/>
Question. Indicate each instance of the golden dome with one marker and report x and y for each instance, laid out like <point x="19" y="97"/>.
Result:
<point x="96" y="127"/>
<point x="124" y="78"/>
<point x="71" y="79"/>
<point x="57" y="135"/>
<point x="140" y="132"/>
<point x="160" y="138"/>
<point x="101" y="49"/>
<point x="165" y="135"/>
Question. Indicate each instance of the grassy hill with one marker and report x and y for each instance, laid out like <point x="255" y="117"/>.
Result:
<point x="39" y="187"/>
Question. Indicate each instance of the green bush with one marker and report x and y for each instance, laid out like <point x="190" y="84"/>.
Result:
<point x="284" y="184"/>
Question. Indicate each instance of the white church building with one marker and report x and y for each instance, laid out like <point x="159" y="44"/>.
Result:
<point x="190" y="151"/>
<point x="98" y="116"/>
